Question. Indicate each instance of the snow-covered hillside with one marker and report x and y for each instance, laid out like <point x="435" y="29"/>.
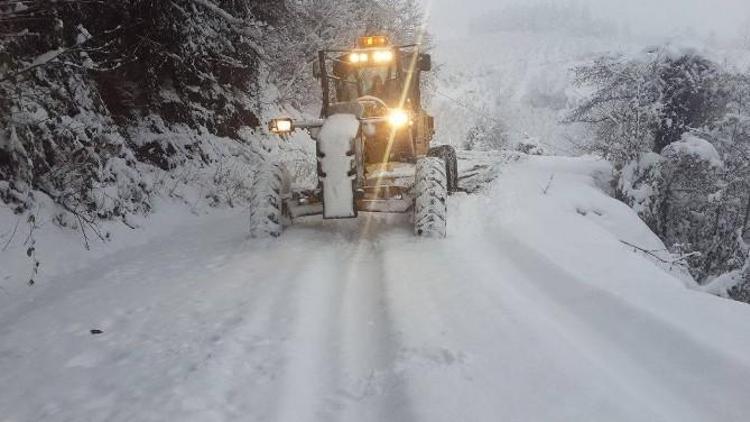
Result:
<point x="531" y="309"/>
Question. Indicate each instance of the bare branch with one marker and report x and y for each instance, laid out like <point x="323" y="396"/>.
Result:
<point x="652" y="254"/>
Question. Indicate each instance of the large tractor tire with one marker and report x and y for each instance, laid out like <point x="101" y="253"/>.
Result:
<point x="267" y="202"/>
<point x="448" y="154"/>
<point x="430" y="207"/>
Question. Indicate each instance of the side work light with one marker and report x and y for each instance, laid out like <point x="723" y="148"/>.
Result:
<point x="281" y="126"/>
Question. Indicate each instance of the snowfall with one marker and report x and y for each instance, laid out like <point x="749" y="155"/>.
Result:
<point x="536" y="307"/>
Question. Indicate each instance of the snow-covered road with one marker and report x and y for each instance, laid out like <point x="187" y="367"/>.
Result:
<point x="531" y="310"/>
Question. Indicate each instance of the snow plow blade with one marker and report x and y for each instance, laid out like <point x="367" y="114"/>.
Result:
<point x="336" y="165"/>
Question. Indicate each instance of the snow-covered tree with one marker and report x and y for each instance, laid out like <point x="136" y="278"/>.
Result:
<point x="692" y="95"/>
<point x="647" y="102"/>
<point x="624" y="108"/>
<point x="675" y="125"/>
<point x="487" y="134"/>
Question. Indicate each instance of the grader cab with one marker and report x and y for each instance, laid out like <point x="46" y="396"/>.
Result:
<point x="372" y="141"/>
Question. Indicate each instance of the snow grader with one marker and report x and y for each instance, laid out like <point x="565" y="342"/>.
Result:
<point x="372" y="145"/>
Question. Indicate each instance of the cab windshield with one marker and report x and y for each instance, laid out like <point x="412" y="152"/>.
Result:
<point x="377" y="81"/>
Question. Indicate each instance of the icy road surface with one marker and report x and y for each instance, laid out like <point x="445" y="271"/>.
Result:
<point x="531" y="310"/>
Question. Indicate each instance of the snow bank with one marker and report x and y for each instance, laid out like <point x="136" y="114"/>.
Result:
<point x="560" y="205"/>
<point x="61" y="251"/>
<point x="582" y="230"/>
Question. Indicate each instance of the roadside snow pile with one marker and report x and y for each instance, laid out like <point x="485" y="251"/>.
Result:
<point x="561" y="206"/>
<point x="36" y="249"/>
<point x="556" y="210"/>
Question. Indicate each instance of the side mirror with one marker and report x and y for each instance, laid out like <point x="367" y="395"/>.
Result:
<point x="425" y="62"/>
<point x="316" y="69"/>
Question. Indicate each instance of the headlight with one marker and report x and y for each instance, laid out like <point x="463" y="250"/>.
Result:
<point x="398" y="118"/>
<point x="281" y="126"/>
<point x="382" y="56"/>
<point x="358" y="58"/>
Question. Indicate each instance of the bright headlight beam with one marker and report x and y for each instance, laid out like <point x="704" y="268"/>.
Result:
<point x="377" y="56"/>
<point x="359" y="57"/>
<point x="398" y="118"/>
<point x="383" y="56"/>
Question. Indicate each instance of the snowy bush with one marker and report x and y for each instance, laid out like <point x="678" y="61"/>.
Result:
<point x="682" y="195"/>
<point x="530" y="146"/>
<point x="486" y="134"/>
<point x="622" y="110"/>
<point x="647" y="102"/>
<point x="674" y="124"/>
<point x="741" y="290"/>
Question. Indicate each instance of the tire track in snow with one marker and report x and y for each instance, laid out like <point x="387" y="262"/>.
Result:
<point x="369" y="386"/>
<point x="310" y="359"/>
<point x="441" y="338"/>
<point x="341" y="352"/>
<point x="246" y="369"/>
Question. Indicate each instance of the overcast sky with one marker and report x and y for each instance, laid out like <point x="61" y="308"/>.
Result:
<point x="655" y="18"/>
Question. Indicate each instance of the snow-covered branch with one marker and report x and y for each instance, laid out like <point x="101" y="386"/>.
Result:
<point x="652" y="253"/>
<point x="245" y="27"/>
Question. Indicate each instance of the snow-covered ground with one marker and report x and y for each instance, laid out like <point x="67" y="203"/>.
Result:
<point x="531" y="310"/>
